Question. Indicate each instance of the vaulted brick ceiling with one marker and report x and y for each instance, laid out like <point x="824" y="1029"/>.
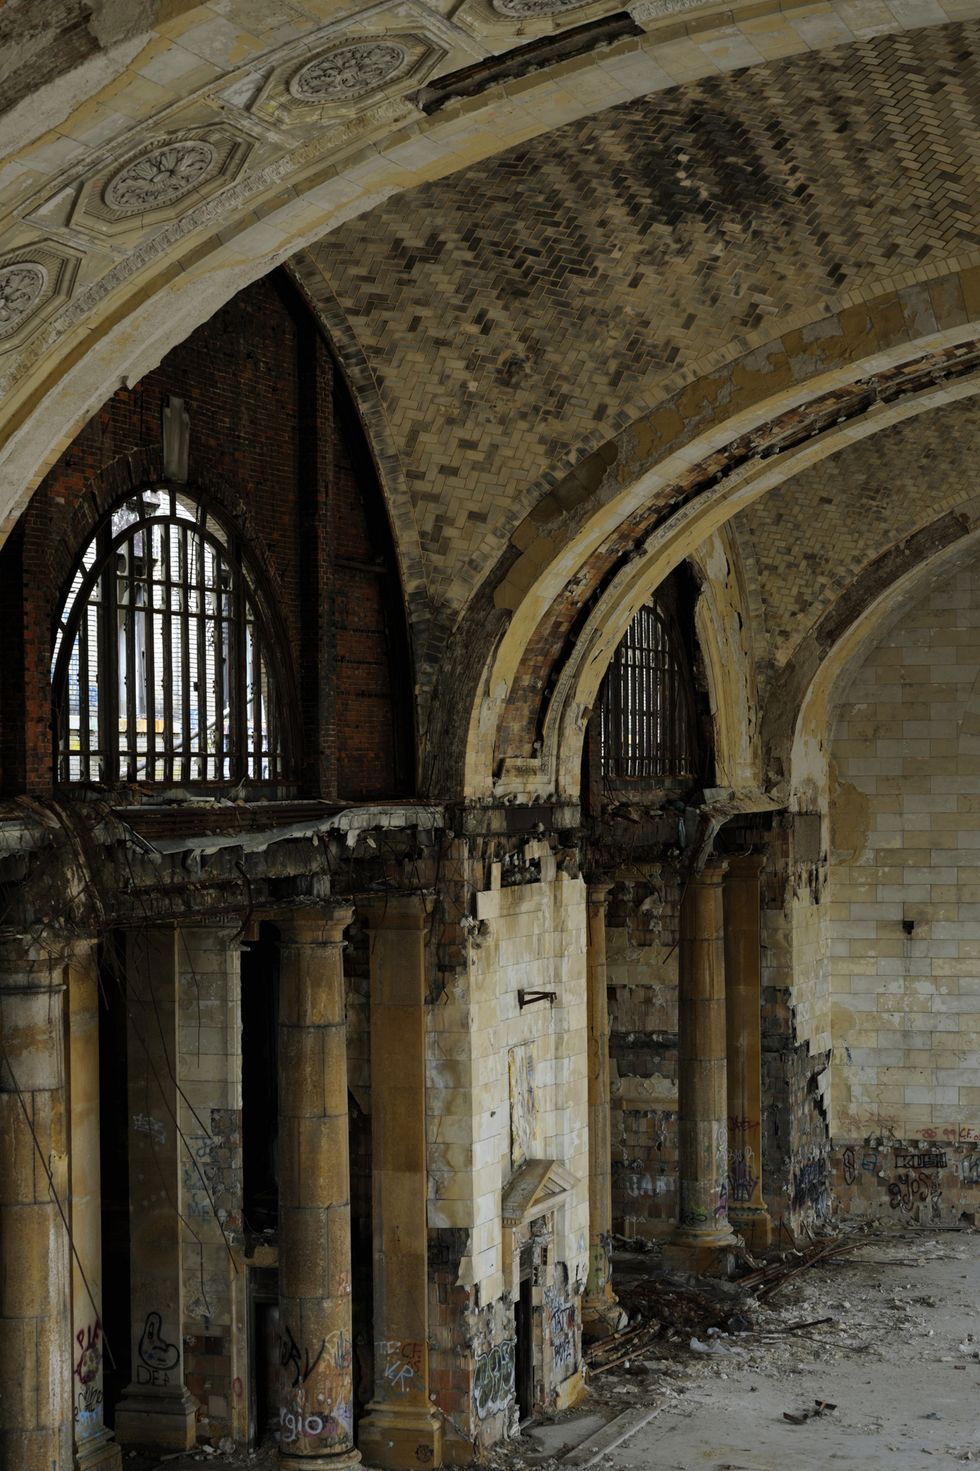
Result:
<point x="809" y="540"/>
<point x="520" y="313"/>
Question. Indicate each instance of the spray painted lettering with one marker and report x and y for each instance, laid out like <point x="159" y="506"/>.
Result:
<point x="563" y="1338"/>
<point x="88" y="1399"/>
<point x="157" y="1356"/>
<point x="144" y="1123"/>
<point x="847" y="1166"/>
<point x="493" y="1383"/>
<point x="742" y="1178"/>
<point x="332" y="1428"/>
<point x="810" y="1186"/>
<point x="909" y="1190"/>
<point x="929" y="1159"/>
<point x="301" y="1364"/>
<point x="399" y="1363"/>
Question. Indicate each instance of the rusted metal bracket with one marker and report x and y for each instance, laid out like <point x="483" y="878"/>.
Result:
<point x="528" y="998"/>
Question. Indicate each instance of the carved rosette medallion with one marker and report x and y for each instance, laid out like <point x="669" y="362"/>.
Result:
<point x="530" y="9"/>
<point x="349" y="72"/>
<point x="22" y="285"/>
<point x="160" y="178"/>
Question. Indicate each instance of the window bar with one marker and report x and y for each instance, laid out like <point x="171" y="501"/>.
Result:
<point x="167" y="540"/>
<point x="185" y="654"/>
<point x="238" y="687"/>
<point x="220" y="668"/>
<point x="257" y="708"/>
<point x="109" y="642"/>
<point x="202" y="663"/>
<point x="149" y="655"/>
<point x="83" y="693"/>
<point x="96" y="658"/>
<point x="129" y="650"/>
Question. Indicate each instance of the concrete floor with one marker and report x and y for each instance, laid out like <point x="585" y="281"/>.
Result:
<point x="900" y="1360"/>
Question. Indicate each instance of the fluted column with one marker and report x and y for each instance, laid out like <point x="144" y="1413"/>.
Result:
<point x="601" y="1313"/>
<point x="743" y="1002"/>
<point x="156" y="1408"/>
<point x="316" y="1414"/>
<point x="401" y="1428"/>
<point x="35" y="1290"/>
<point x="94" y="1444"/>
<point x="703" y="1239"/>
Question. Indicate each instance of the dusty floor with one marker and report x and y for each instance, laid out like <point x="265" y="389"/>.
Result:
<point x="899" y="1362"/>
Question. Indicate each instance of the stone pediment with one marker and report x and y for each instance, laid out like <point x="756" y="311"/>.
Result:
<point x="537" y="1186"/>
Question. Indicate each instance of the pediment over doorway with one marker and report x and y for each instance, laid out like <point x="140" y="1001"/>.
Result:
<point x="536" y="1187"/>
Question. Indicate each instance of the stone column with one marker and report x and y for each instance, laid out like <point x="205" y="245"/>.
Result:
<point x="743" y="1004"/>
<point x="156" y="1409"/>
<point x="316" y="1414"/>
<point x="35" y="1291"/>
<point x="401" y="1428"/>
<point x="94" y="1444"/>
<point x="704" y="1238"/>
<point x="601" y="1314"/>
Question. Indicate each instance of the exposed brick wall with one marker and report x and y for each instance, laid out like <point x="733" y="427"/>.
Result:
<point x="275" y="442"/>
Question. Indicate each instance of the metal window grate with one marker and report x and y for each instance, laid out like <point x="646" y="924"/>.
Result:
<point x="647" y="725"/>
<point x="162" y="669"/>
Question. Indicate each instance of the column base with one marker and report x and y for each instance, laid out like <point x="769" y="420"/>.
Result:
<point x="100" y="1452"/>
<point x="602" y="1316"/>
<point x="335" y="1460"/>
<point x="754" y="1225"/>
<point x="704" y="1253"/>
<point x="399" y="1437"/>
<point x="157" y="1421"/>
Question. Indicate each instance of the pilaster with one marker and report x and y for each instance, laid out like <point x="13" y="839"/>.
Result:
<point x="704" y="1238"/>
<point x="401" y="1429"/>
<point x="316" y="1417"/>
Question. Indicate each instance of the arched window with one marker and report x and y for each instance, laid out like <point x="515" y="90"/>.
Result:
<point x="647" y="704"/>
<point x="163" y="669"/>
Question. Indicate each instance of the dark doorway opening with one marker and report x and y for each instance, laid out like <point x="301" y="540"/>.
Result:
<point x="263" y="1354"/>
<point x="524" y="1349"/>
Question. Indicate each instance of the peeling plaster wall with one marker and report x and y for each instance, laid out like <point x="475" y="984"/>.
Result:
<point x="506" y="1084"/>
<point x="904" y="917"/>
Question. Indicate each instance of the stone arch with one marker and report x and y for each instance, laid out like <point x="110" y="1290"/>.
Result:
<point x="844" y="641"/>
<point x="637" y="520"/>
<point x="305" y="176"/>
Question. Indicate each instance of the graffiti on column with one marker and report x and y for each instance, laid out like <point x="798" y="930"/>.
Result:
<point x="331" y="1423"/>
<point x="88" y="1396"/>
<point x="493" y="1383"/>
<point x="847" y="1166"/>
<point x="156" y="1355"/>
<point x="331" y="1427"/>
<point x="300" y="1364"/>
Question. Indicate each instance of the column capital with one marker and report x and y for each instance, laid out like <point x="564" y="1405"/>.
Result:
<point x="322" y="923"/>
<point x="39" y="950"/>
<point x="597" y="892"/>
<point x="712" y="873"/>
<point x="395" y="911"/>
